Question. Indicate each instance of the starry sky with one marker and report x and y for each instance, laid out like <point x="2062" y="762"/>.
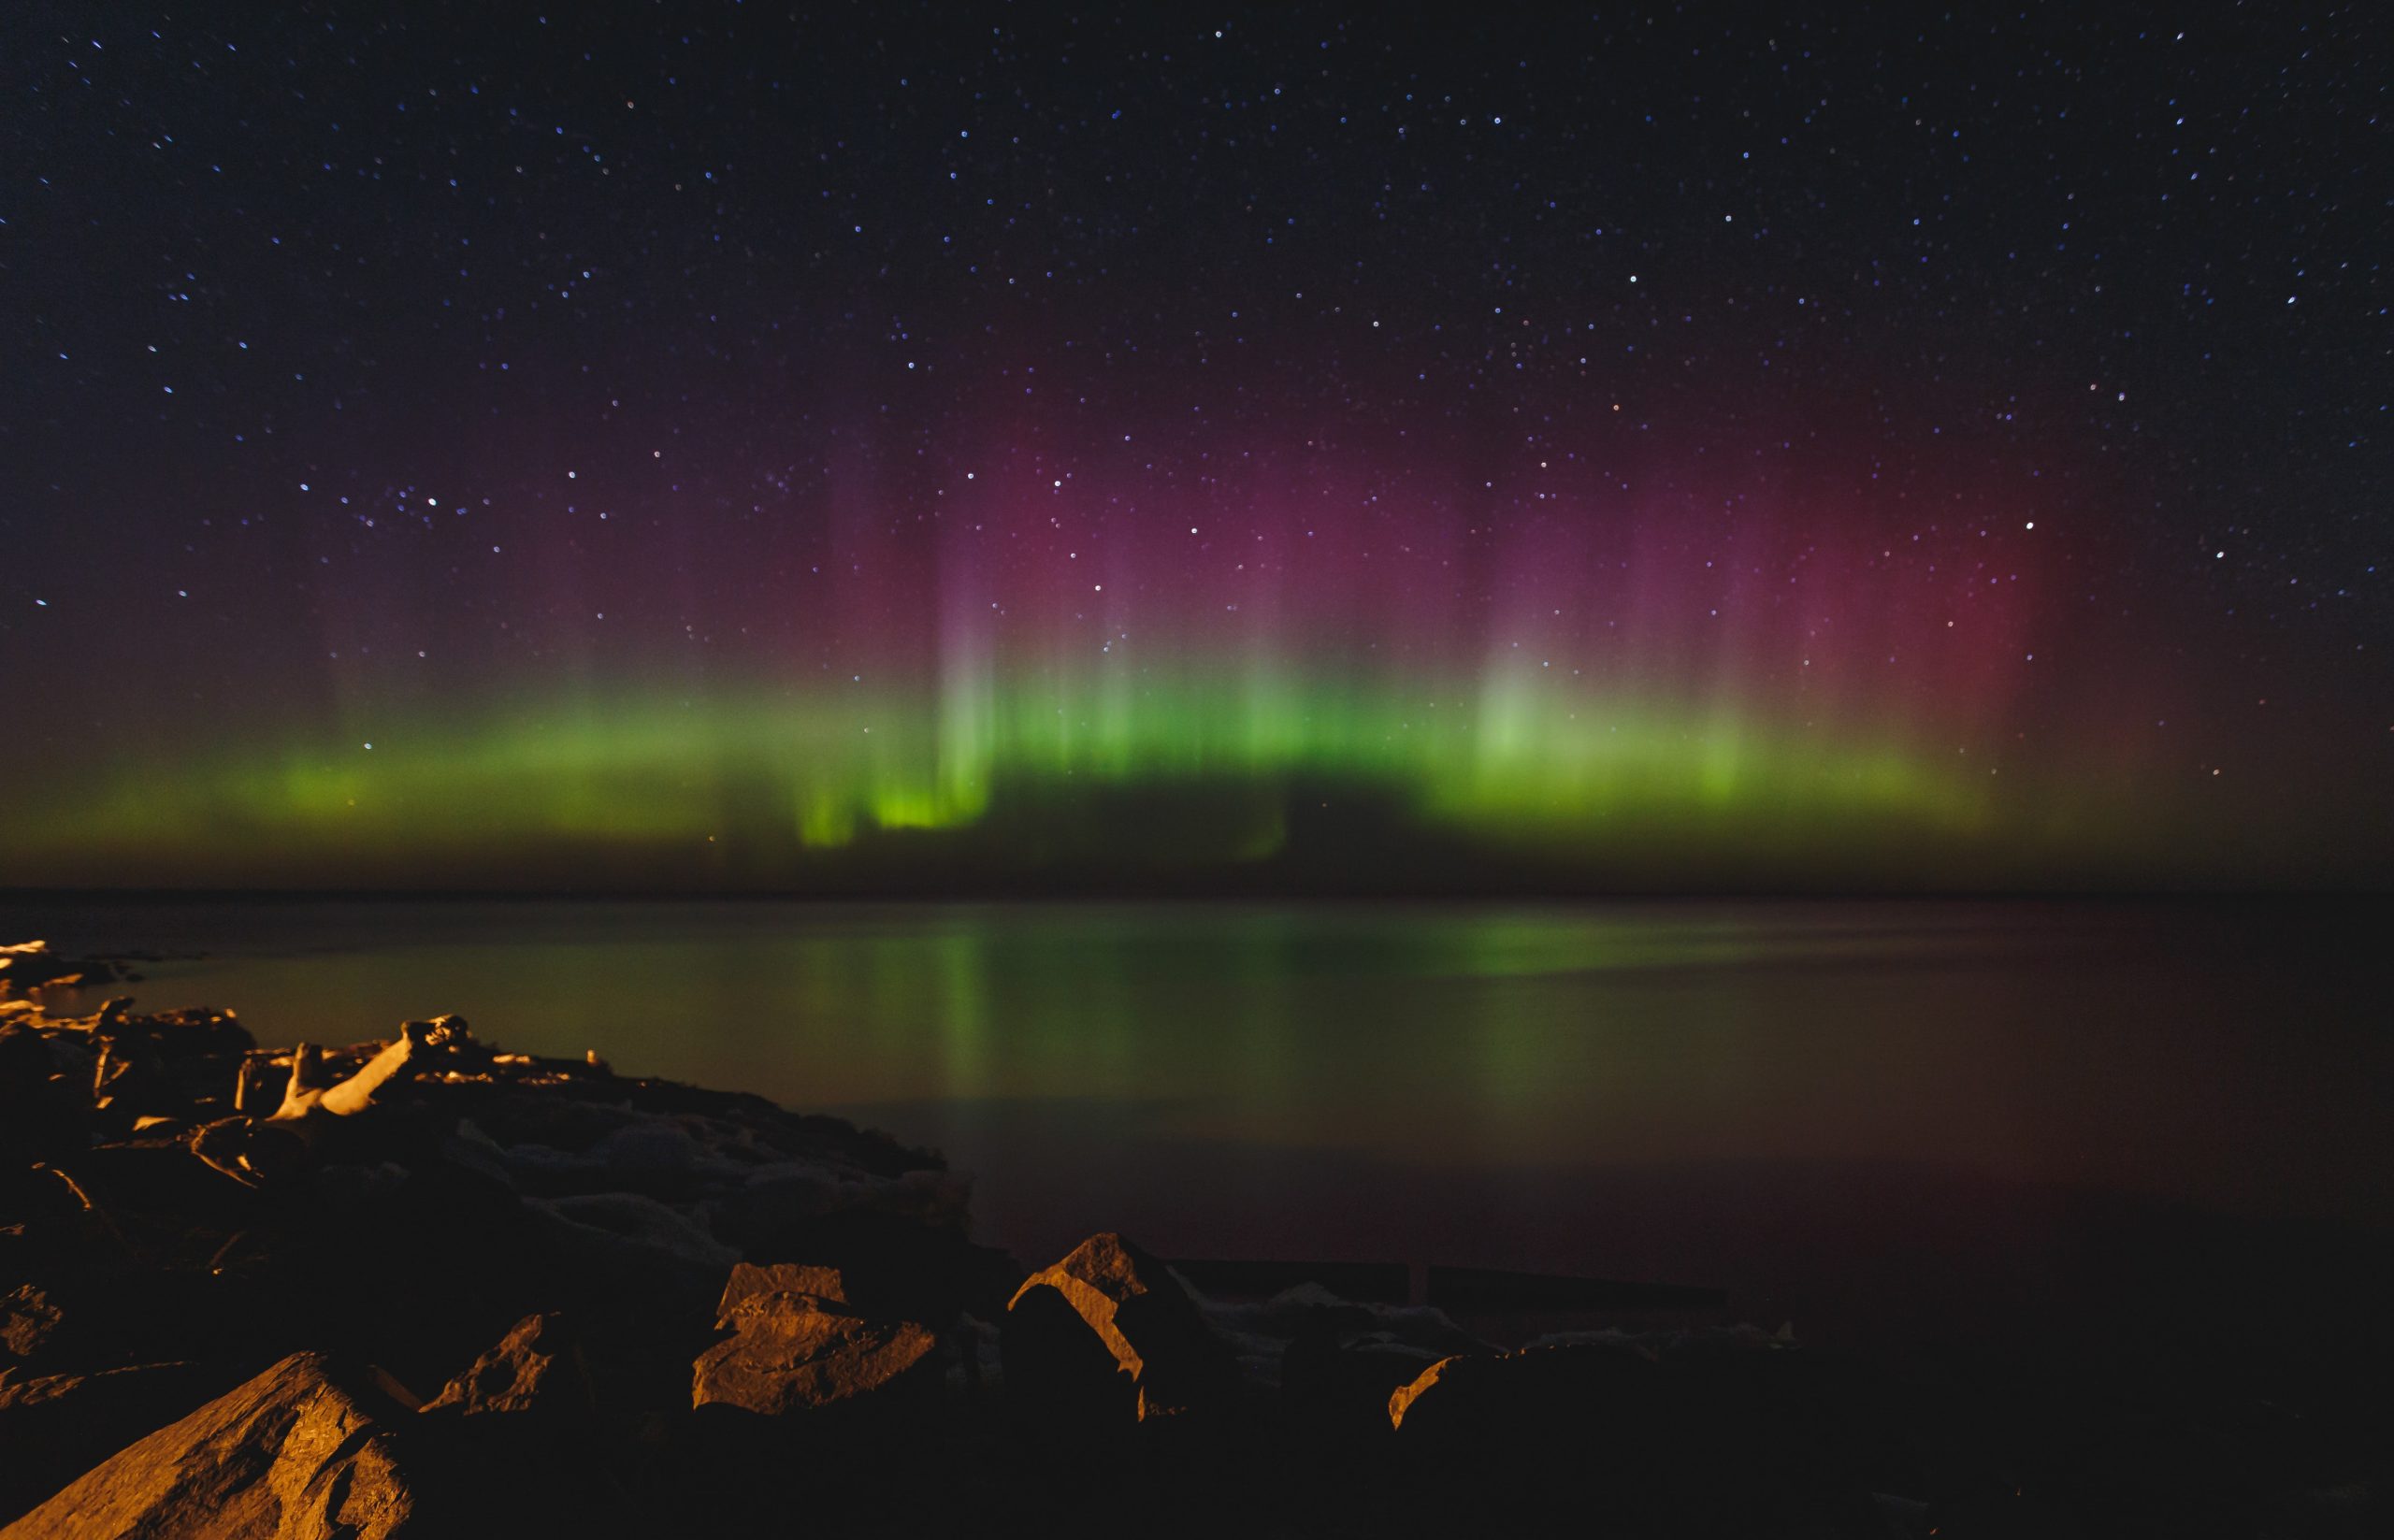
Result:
<point x="717" y="446"/>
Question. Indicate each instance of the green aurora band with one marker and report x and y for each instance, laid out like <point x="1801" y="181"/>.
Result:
<point x="767" y="789"/>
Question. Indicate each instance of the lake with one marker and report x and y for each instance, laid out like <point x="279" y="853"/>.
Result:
<point x="1869" y="1118"/>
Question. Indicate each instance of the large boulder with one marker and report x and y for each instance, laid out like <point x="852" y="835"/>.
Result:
<point x="302" y="1452"/>
<point x="54" y="1425"/>
<point x="1110" y="1331"/>
<point x="796" y="1353"/>
<point x="749" y="1279"/>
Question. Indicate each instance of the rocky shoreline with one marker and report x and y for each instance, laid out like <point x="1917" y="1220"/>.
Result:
<point x="422" y="1285"/>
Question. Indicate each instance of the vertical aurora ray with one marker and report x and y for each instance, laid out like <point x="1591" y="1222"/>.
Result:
<point x="1509" y="761"/>
<point x="1029" y="670"/>
<point x="1124" y="455"/>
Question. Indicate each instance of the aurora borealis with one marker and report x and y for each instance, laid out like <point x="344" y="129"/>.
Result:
<point x="1302" y="447"/>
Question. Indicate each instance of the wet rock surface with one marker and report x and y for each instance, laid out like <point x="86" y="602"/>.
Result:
<point x="228" y="1271"/>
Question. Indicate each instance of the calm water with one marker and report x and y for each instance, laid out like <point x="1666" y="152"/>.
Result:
<point x="1851" y="1114"/>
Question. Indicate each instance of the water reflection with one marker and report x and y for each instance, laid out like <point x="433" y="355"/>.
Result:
<point x="1654" y="1088"/>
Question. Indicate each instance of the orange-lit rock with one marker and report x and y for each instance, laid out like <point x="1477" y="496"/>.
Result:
<point x="1537" y="1394"/>
<point x="302" y="1452"/>
<point x="28" y="1319"/>
<point x="795" y="1353"/>
<point x="751" y="1278"/>
<point x="53" y="1425"/>
<point x="1148" y="1329"/>
<point x="536" y="1368"/>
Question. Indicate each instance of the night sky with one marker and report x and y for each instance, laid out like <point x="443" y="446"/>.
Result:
<point x="708" y="445"/>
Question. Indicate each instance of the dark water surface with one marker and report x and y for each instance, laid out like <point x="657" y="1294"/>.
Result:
<point x="1867" y="1116"/>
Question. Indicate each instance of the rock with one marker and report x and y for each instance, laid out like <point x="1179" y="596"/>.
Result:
<point x="77" y="1316"/>
<point x="1701" y="1433"/>
<point x="252" y="1152"/>
<point x="28" y="1319"/>
<point x="795" y="1353"/>
<point x="537" y="1368"/>
<point x="774" y="1204"/>
<point x="419" y="1277"/>
<point x="55" y="1424"/>
<point x="653" y="1146"/>
<point x="1585" y="1394"/>
<point x="23" y="956"/>
<point x="42" y="1114"/>
<point x="1301" y="1332"/>
<point x="1347" y="1384"/>
<point x="517" y="1444"/>
<point x="1060" y="1379"/>
<point x="750" y="1278"/>
<point x="31" y="965"/>
<point x="1145" y="1322"/>
<point x="302" y="1452"/>
<point x="199" y="1033"/>
<point x="640" y="1221"/>
<point x="130" y="1080"/>
<point x="252" y="1084"/>
<point x="163" y="1200"/>
<point x="892" y="1264"/>
<point x="1580" y="1428"/>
